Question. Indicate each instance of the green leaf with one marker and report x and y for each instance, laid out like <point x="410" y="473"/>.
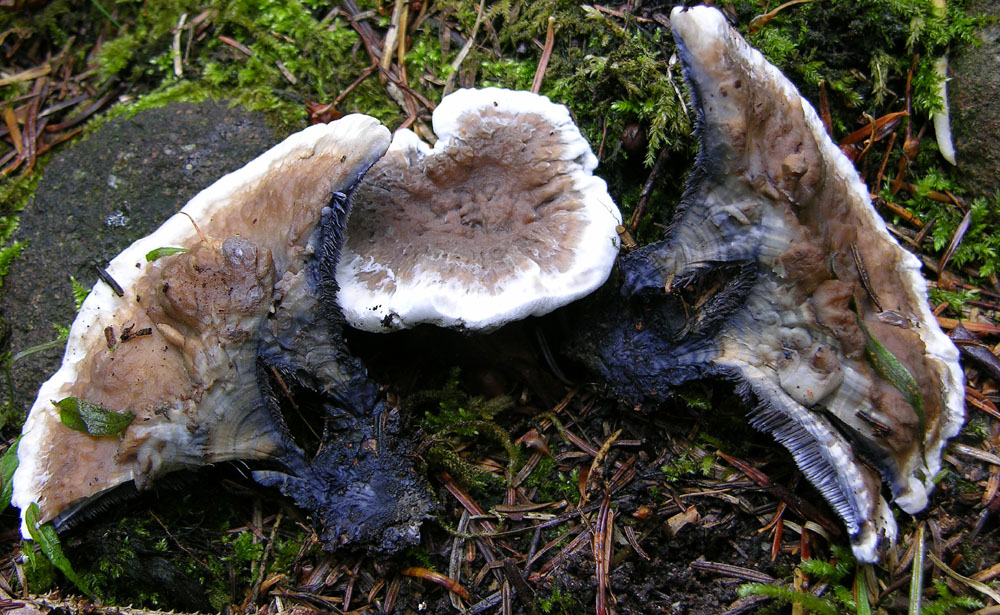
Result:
<point x="48" y="541"/>
<point x="91" y="418"/>
<point x="863" y="608"/>
<point x="892" y="370"/>
<point x="7" y="466"/>
<point x="158" y="253"/>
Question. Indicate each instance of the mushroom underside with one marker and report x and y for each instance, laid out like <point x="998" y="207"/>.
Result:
<point x="210" y="345"/>
<point x="807" y="302"/>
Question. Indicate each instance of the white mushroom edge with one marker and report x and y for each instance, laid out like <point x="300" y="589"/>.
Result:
<point x="99" y="310"/>
<point x="430" y="298"/>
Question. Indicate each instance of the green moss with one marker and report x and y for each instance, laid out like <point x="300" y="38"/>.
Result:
<point x="954" y="298"/>
<point x="552" y="484"/>
<point x="861" y="50"/>
<point x="14" y="195"/>
<point x="977" y="428"/>
<point x="452" y="419"/>
<point x="684" y="465"/>
<point x="39" y="572"/>
<point x="834" y="573"/>
<point x="246" y="549"/>
<point x="946" y="603"/>
<point x="558" y="602"/>
<point x="420" y="555"/>
<point x="980" y="246"/>
<point x="7" y="254"/>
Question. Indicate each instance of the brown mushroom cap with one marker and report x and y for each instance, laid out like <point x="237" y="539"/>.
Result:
<point x="500" y="220"/>
<point x="191" y="377"/>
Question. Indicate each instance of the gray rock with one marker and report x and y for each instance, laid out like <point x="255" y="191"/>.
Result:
<point x="99" y="196"/>
<point x="975" y="112"/>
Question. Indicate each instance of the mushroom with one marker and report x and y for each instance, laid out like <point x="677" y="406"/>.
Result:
<point x="500" y="220"/>
<point x="191" y="343"/>
<point x="814" y="309"/>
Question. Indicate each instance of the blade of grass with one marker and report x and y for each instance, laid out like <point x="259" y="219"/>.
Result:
<point x="917" y="573"/>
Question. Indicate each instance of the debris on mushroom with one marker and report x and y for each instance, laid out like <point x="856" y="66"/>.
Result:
<point x="500" y="220"/>
<point x="224" y="308"/>
<point x="805" y="299"/>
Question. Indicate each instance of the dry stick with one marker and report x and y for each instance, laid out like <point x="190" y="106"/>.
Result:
<point x="31" y="126"/>
<point x="571" y="548"/>
<point x="760" y="21"/>
<point x="738" y="572"/>
<point x="601" y="545"/>
<point x="801" y="507"/>
<point x="517" y="582"/>
<point x="621" y="14"/>
<point x="975" y="327"/>
<point x="287" y="74"/>
<point x="449" y="83"/>
<point x="455" y="562"/>
<point x="647" y="189"/>
<point x="902" y="212"/>
<point x="543" y="63"/>
<point x="365" y="30"/>
<point x="390" y="40"/>
<point x="485" y="604"/>
<point x="364" y="75"/>
<point x="92" y="109"/>
<point x="14" y="130"/>
<point x="824" y="110"/>
<point x="604" y="135"/>
<point x="876" y="129"/>
<point x="349" y="588"/>
<point x="261" y="568"/>
<point x="404" y="17"/>
<point x="956" y="240"/>
<point x="436" y="577"/>
<point x="27" y="75"/>
<point x="885" y="161"/>
<point x="871" y="139"/>
<point x="236" y="45"/>
<point x="175" y="49"/>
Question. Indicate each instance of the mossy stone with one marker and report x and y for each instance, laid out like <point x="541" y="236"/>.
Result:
<point x="100" y="195"/>
<point x="975" y="114"/>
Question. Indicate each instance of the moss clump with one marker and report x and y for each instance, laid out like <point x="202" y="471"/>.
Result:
<point x="558" y="602"/>
<point x="551" y="484"/>
<point x="860" y="51"/>
<point x="14" y="195"/>
<point x="452" y="420"/>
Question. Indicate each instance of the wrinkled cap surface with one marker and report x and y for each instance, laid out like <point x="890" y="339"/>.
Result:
<point x="500" y="220"/>
<point x="835" y="339"/>
<point x="179" y="346"/>
<point x="801" y="295"/>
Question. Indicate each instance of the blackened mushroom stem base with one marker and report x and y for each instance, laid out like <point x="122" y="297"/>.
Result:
<point x="810" y="306"/>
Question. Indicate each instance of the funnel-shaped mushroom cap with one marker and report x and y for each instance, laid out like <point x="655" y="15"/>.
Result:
<point x="809" y="304"/>
<point x="836" y="338"/>
<point x="500" y="220"/>
<point x="179" y="346"/>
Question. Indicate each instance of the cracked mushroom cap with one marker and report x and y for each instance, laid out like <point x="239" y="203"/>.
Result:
<point x="179" y="346"/>
<point x="500" y="220"/>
